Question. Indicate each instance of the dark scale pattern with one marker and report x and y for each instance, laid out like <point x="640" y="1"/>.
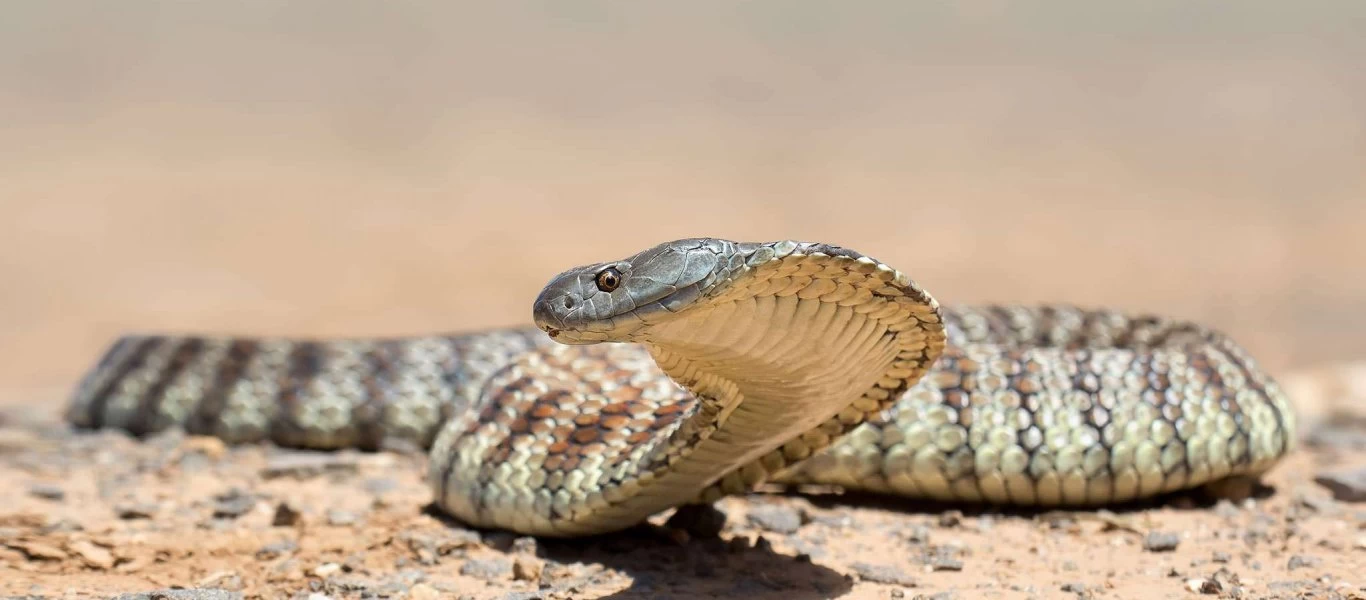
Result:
<point x="1132" y="406"/>
<point x="569" y="421"/>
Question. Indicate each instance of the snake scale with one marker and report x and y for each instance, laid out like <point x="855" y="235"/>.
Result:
<point x="704" y="367"/>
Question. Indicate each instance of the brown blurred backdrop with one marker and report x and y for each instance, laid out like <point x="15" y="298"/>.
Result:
<point x="336" y="167"/>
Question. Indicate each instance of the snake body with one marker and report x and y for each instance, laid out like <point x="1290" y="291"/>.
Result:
<point x="704" y="367"/>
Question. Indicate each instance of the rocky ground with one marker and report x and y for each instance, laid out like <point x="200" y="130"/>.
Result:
<point x="104" y="515"/>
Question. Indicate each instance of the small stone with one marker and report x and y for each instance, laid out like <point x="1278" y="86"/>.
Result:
<point x="209" y="447"/>
<point x="879" y="573"/>
<point x="326" y="570"/>
<point x="276" y="549"/>
<point x="93" y="555"/>
<point x="527" y="569"/>
<point x="340" y="518"/>
<point x="39" y="551"/>
<point x="775" y="518"/>
<point x="1226" y="509"/>
<point x="951" y="518"/>
<point x="1068" y="565"/>
<point x="1346" y="485"/>
<point x="919" y="534"/>
<point x="762" y="545"/>
<point x="184" y="594"/>
<point x="233" y="504"/>
<point x="500" y="540"/>
<point x="1201" y="585"/>
<point x="946" y="563"/>
<point x="221" y="579"/>
<point x="701" y="521"/>
<point x="379" y="486"/>
<point x="1220" y="557"/>
<point x="524" y="545"/>
<point x="1161" y="541"/>
<point x="47" y="491"/>
<point x="303" y="465"/>
<point x="423" y="591"/>
<point x="487" y="569"/>
<point x="1302" y="561"/>
<point x="1075" y="587"/>
<point x="985" y="523"/>
<point x="285" y="516"/>
<point x="135" y="510"/>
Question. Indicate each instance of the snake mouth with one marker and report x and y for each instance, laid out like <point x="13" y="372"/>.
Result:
<point x="552" y="332"/>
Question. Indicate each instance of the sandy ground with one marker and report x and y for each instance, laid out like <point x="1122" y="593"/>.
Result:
<point x="100" y="514"/>
<point x="357" y="168"/>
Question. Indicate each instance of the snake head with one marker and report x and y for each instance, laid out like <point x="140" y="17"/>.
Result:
<point x="616" y="301"/>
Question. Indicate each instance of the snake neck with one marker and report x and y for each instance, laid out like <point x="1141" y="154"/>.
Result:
<point x="796" y="351"/>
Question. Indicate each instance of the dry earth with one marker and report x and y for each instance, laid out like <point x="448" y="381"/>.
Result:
<point x="101" y="514"/>
<point x="359" y="168"/>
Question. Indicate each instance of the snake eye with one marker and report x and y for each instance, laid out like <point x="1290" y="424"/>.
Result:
<point x="609" y="279"/>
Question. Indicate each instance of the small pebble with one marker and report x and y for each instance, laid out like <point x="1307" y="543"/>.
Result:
<point x="276" y="549"/>
<point x="486" y="569"/>
<point x="1204" y="586"/>
<point x="326" y="570"/>
<point x="189" y="594"/>
<point x="285" y="516"/>
<point x="39" y="551"/>
<point x="340" y="518"/>
<point x="951" y="518"/>
<point x="380" y="485"/>
<point x="775" y="518"/>
<point x="1302" y="561"/>
<point x="880" y="573"/>
<point x="135" y="510"/>
<point x="946" y="563"/>
<point x="233" y="504"/>
<point x="527" y="569"/>
<point x="47" y="491"/>
<point x="302" y="465"/>
<point x="918" y="534"/>
<point x="701" y="521"/>
<point x="1161" y="541"/>
<point x="524" y="545"/>
<point x="423" y="591"/>
<point x="93" y="555"/>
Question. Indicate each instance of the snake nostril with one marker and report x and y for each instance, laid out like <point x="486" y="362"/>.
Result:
<point x="568" y="302"/>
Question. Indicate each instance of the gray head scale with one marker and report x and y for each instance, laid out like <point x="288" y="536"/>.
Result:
<point x="615" y="301"/>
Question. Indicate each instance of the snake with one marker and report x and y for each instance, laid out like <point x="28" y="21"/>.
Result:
<point x="703" y="368"/>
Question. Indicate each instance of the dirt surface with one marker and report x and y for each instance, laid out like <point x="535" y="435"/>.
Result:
<point x="353" y="168"/>
<point x="101" y="514"/>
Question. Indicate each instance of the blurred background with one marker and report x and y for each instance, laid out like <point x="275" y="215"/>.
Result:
<point x="335" y="167"/>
